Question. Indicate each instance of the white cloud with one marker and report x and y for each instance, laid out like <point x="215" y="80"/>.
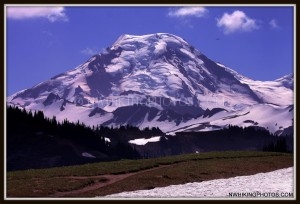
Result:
<point x="273" y="23"/>
<point x="237" y="21"/>
<point x="188" y="11"/>
<point x="89" y="51"/>
<point x="26" y="12"/>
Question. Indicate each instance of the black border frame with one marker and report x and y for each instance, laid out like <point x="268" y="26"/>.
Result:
<point x="130" y="2"/>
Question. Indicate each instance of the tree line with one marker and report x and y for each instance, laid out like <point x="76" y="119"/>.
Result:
<point x="30" y="131"/>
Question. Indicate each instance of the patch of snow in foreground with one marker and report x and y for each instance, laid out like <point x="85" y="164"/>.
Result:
<point x="143" y="141"/>
<point x="106" y="139"/>
<point x="88" y="155"/>
<point x="263" y="185"/>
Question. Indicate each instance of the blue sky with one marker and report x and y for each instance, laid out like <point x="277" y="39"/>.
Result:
<point x="44" y="41"/>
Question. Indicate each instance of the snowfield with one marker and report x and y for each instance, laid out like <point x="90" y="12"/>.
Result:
<point x="275" y="184"/>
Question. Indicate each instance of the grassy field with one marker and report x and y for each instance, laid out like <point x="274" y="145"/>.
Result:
<point x="99" y="179"/>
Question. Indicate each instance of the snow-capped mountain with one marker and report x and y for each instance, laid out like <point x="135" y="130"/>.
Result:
<point x="160" y="80"/>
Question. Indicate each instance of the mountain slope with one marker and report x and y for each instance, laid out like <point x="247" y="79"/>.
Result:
<point x="156" y="80"/>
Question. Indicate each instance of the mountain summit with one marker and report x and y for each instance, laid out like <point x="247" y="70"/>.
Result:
<point x="160" y="80"/>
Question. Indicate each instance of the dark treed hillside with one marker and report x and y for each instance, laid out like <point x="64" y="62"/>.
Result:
<point x="34" y="141"/>
<point x="232" y="138"/>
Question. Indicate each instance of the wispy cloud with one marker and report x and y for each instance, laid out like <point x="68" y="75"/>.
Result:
<point x="51" y="13"/>
<point x="49" y="38"/>
<point x="273" y="23"/>
<point x="237" y="21"/>
<point x="188" y="12"/>
<point x="47" y="33"/>
<point x="89" y="51"/>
